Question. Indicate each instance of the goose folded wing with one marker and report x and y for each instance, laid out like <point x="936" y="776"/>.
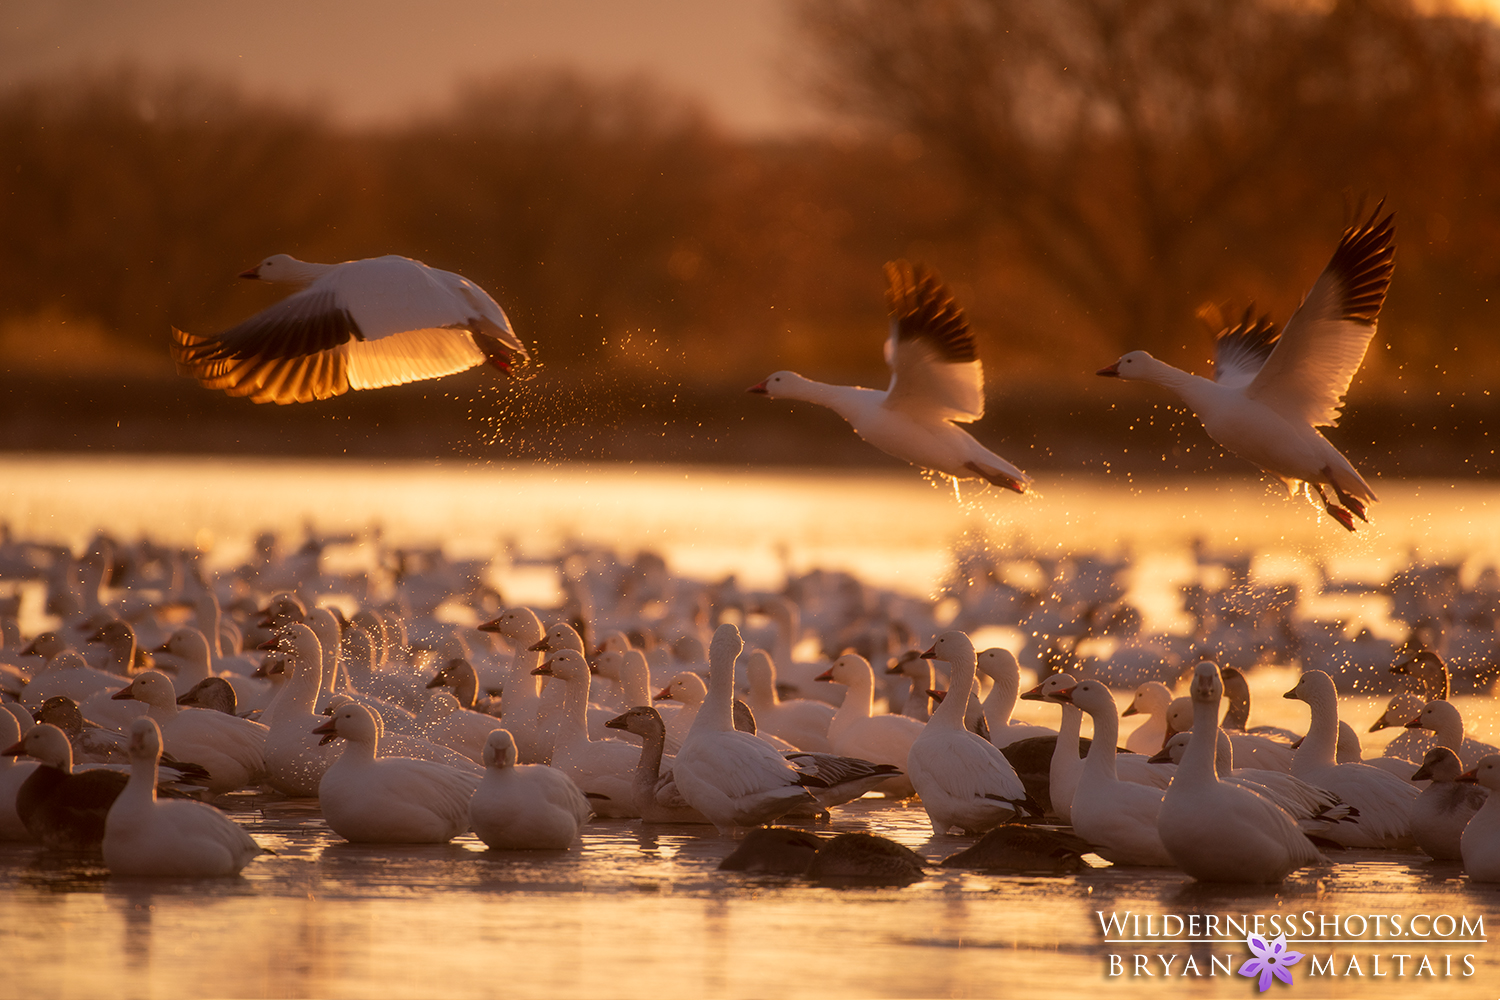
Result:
<point x="1324" y="342"/>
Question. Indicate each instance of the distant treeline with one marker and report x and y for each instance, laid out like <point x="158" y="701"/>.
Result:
<point x="1089" y="174"/>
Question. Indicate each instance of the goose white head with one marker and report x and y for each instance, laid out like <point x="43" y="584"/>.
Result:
<point x="559" y="637"/>
<point x="1402" y="707"/>
<point x="847" y="670"/>
<point x="951" y="647"/>
<point x="1486" y="772"/>
<point x="1208" y="683"/>
<point x="46" y="743"/>
<point x="150" y="686"/>
<point x="1135" y="366"/>
<point x="188" y="643"/>
<point x="609" y="663"/>
<point x="687" y="688"/>
<point x="515" y="624"/>
<point x="783" y="385"/>
<point x="726" y="644"/>
<point x="1150" y="698"/>
<point x="145" y="739"/>
<point x="1049" y="689"/>
<point x="1091" y="696"/>
<point x="300" y="643"/>
<point x="1314" y="687"/>
<point x="999" y="665"/>
<point x="1437" y="715"/>
<point x="351" y="720"/>
<point x="565" y="665"/>
<point x="500" y="749"/>
<point x="284" y="268"/>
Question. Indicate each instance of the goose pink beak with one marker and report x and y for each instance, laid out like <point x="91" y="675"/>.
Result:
<point x="1110" y="371"/>
<point x="759" y="389"/>
<point x="254" y="272"/>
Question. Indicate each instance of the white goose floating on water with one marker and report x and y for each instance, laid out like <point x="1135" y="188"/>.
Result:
<point x="1218" y="831"/>
<point x="388" y="800"/>
<point x="524" y="807"/>
<point x="1119" y="818"/>
<point x="174" y="838"/>
<point x="963" y="780"/>
<point x="937" y="383"/>
<point x="1384" y="801"/>
<point x="731" y="777"/>
<point x="361" y="324"/>
<point x="1270" y="391"/>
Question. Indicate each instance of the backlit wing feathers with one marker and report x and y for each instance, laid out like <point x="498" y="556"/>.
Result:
<point x="935" y="368"/>
<point x="1324" y="342"/>
<point x="1240" y="351"/>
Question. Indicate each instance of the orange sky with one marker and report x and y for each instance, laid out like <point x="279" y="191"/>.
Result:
<point x="375" y="60"/>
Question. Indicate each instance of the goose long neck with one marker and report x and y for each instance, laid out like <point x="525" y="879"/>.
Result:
<point x="1193" y="389"/>
<point x="520" y="684"/>
<point x="141" y="788"/>
<point x="467" y="689"/>
<point x="1448" y="730"/>
<point x="1433" y="678"/>
<point x="955" y="703"/>
<point x="1001" y="701"/>
<point x="328" y="682"/>
<point x="361" y="751"/>
<point x="1199" y="760"/>
<point x="653" y="744"/>
<point x="1069" y="730"/>
<point x="207" y="616"/>
<point x="1106" y="734"/>
<point x="1238" y="694"/>
<point x="1320" y="745"/>
<point x="576" y="707"/>
<point x="859" y="699"/>
<point x="300" y="692"/>
<point x="845" y="400"/>
<point x="635" y="678"/>
<point x="716" y="714"/>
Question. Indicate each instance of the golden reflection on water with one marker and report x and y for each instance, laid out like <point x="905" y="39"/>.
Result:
<point x="643" y="912"/>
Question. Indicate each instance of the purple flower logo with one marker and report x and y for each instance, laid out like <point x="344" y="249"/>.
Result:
<point x="1271" y="959"/>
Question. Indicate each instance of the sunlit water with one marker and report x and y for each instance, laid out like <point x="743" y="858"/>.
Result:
<point x="639" y="912"/>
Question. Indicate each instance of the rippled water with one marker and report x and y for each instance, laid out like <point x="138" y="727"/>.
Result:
<point x="642" y="912"/>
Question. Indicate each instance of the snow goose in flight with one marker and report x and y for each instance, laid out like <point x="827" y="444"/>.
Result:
<point x="1270" y="391"/>
<point x="361" y="324"/>
<point x="937" y="383"/>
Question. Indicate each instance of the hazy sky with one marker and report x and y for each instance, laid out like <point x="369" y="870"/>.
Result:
<point x="374" y="60"/>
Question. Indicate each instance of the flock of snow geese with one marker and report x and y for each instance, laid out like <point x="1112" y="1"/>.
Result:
<point x="389" y="320"/>
<point x="641" y="699"/>
<point x="162" y="687"/>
